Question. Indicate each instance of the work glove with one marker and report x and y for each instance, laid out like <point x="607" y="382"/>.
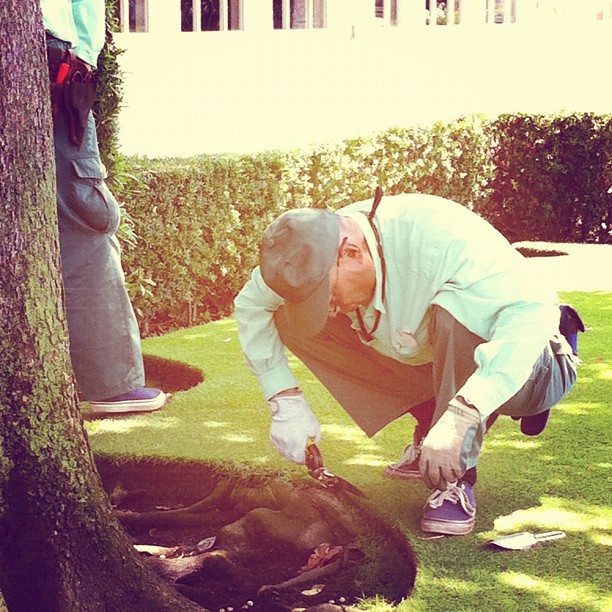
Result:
<point x="450" y="443"/>
<point x="293" y="424"/>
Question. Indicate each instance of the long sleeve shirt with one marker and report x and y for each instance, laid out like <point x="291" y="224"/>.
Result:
<point x="78" y="22"/>
<point x="436" y="252"/>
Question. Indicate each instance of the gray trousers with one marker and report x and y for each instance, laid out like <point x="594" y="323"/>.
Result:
<point x="104" y="337"/>
<point x="375" y="389"/>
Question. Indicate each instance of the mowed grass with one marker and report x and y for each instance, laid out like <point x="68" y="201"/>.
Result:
<point x="559" y="480"/>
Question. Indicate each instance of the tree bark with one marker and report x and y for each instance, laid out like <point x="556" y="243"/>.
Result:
<point x="60" y="546"/>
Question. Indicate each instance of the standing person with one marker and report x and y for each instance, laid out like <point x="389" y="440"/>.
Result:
<point x="104" y="338"/>
<point x="411" y="304"/>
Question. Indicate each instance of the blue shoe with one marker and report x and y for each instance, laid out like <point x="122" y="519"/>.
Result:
<point x="535" y="424"/>
<point x="570" y="324"/>
<point x="138" y="400"/>
<point x="452" y="511"/>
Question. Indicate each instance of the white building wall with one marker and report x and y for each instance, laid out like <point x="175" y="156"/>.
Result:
<point x="258" y="88"/>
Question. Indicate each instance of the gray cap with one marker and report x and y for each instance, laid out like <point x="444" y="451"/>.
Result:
<point x="298" y="251"/>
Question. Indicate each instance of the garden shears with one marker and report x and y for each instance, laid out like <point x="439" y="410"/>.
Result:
<point x="314" y="463"/>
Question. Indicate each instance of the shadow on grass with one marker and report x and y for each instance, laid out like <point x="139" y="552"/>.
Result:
<point x="166" y="374"/>
<point x="170" y="375"/>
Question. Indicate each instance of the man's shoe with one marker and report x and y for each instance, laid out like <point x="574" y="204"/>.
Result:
<point x="535" y="424"/>
<point x="407" y="468"/>
<point x="139" y="400"/>
<point x="452" y="511"/>
<point x="570" y="324"/>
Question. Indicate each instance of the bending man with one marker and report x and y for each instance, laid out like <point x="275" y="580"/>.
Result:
<point x="415" y="305"/>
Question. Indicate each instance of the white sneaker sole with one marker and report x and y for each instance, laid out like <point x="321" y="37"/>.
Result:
<point x="149" y="405"/>
<point x="448" y="527"/>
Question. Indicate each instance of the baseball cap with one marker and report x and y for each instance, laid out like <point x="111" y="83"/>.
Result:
<point x="298" y="250"/>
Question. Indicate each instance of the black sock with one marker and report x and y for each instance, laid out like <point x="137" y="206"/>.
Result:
<point x="470" y="476"/>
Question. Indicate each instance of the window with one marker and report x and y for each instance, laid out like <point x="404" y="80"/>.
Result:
<point x="132" y="15"/>
<point x="380" y="6"/>
<point x="499" y="11"/>
<point x="299" y="14"/>
<point x="211" y="15"/>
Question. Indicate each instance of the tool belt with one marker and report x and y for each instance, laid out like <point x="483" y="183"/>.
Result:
<point x="73" y="90"/>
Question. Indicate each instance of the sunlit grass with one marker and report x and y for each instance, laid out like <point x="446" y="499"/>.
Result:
<point x="560" y="592"/>
<point x="129" y="424"/>
<point x="555" y="513"/>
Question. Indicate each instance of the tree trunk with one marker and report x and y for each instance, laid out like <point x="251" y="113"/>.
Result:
<point x="60" y="546"/>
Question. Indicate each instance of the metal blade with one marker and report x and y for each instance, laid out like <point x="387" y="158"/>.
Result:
<point x="348" y="487"/>
<point x="525" y="540"/>
<point x="314" y="463"/>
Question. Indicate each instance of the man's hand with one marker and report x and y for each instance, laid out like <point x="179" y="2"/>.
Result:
<point x="449" y="444"/>
<point x="293" y="423"/>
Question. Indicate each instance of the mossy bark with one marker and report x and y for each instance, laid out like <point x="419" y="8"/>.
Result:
<point x="60" y="547"/>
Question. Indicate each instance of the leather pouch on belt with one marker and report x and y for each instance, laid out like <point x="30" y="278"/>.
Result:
<point x="79" y="96"/>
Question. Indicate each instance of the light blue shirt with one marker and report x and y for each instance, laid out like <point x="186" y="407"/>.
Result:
<point x="78" y="22"/>
<point x="436" y="252"/>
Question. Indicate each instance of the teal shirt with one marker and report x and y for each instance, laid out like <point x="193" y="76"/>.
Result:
<point x="78" y="22"/>
<point x="436" y="252"/>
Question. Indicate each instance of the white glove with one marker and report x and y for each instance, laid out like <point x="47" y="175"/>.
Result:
<point x="293" y="424"/>
<point x="450" y="443"/>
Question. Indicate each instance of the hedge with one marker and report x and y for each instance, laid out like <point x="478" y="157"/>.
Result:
<point x="552" y="179"/>
<point x="199" y="220"/>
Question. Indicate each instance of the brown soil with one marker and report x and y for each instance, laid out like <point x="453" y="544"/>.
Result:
<point x="261" y="532"/>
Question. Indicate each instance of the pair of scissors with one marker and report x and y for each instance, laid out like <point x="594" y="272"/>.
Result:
<point x="314" y="463"/>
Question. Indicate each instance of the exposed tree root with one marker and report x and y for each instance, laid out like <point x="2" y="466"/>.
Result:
<point x="207" y="511"/>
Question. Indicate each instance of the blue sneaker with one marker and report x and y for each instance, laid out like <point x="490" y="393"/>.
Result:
<point x="571" y="323"/>
<point x="452" y="511"/>
<point x="138" y="400"/>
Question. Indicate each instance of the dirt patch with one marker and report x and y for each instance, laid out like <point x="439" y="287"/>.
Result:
<point x="264" y="543"/>
<point x="540" y="252"/>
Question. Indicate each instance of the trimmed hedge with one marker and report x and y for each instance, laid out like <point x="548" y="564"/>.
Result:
<point x="109" y="93"/>
<point x="199" y="223"/>
<point x="552" y="179"/>
<point x="200" y="220"/>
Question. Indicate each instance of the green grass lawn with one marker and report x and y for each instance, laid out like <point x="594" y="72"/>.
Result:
<point x="559" y="480"/>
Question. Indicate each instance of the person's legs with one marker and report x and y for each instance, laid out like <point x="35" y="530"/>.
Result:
<point x="553" y="376"/>
<point x="453" y="511"/>
<point x="376" y="390"/>
<point x="105" y="344"/>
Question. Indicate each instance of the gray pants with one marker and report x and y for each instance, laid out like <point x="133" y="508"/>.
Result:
<point x="104" y="338"/>
<point x="375" y="389"/>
